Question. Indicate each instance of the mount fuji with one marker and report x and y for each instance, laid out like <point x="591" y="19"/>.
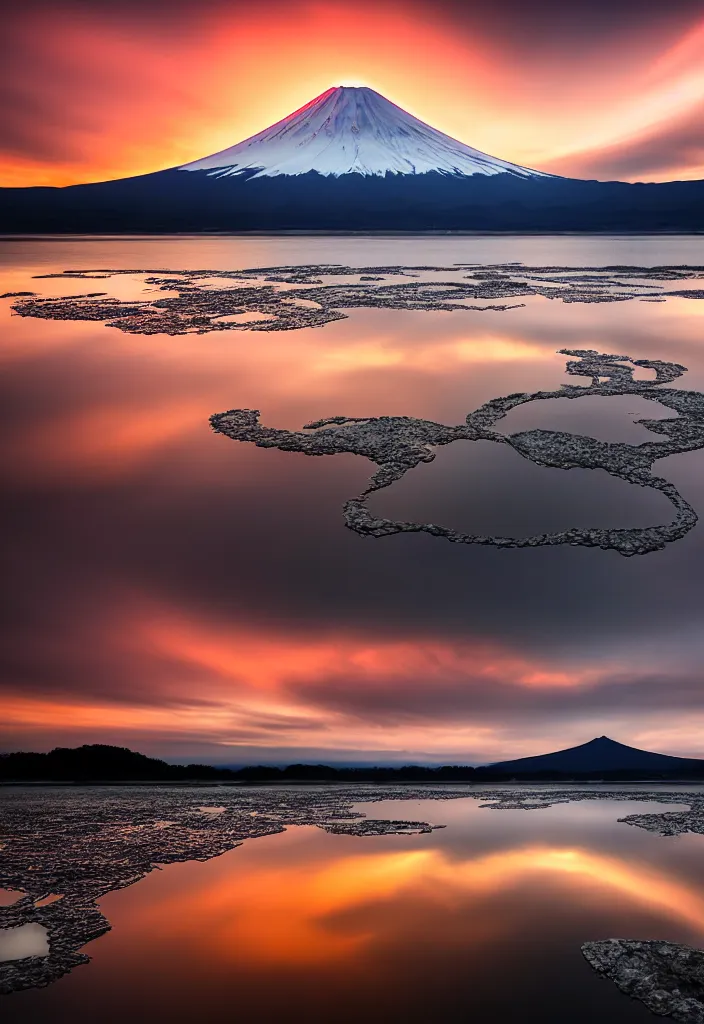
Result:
<point x="351" y="160"/>
<point x="349" y="130"/>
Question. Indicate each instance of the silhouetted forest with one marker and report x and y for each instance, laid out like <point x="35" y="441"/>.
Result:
<point x="101" y="763"/>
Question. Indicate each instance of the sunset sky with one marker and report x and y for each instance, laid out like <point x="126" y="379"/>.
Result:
<point x="195" y="598"/>
<point x="592" y="88"/>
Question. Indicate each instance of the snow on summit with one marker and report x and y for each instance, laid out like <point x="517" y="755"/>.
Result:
<point x="352" y="130"/>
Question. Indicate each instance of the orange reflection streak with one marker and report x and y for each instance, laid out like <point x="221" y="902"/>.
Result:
<point x="303" y="912"/>
<point x="434" y="356"/>
<point x="104" y="441"/>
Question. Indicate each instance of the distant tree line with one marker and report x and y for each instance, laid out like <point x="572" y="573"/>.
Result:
<point x="101" y="763"/>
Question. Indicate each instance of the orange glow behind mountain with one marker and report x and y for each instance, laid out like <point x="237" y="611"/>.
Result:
<point x="106" y="100"/>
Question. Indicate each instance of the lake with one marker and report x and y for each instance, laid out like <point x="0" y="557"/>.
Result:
<point x="173" y="588"/>
<point x="484" y="917"/>
<point x="198" y="598"/>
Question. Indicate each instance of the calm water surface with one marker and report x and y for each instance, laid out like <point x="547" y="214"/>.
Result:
<point x="165" y="579"/>
<point x="149" y="556"/>
<point x="481" y="920"/>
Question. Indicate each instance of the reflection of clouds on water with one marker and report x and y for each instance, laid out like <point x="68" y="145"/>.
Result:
<point x="310" y="904"/>
<point x="159" y="595"/>
<point x="297" y="899"/>
<point x="439" y="917"/>
<point x="398" y="444"/>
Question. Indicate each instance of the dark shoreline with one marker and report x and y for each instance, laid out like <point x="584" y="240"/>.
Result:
<point x="47" y="235"/>
<point x="100" y="764"/>
<point x="496" y="780"/>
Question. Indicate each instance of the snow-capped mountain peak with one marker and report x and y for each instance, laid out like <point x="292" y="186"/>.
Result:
<point x="352" y="130"/>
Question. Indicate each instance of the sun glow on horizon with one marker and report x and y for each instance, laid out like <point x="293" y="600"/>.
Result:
<point x="553" y="114"/>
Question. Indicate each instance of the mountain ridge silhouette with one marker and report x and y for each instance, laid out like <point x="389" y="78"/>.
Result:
<point x="598" y="759"/>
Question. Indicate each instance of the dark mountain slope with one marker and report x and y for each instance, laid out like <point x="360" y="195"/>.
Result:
<point x="178" y="201"/>
<point x="598" y="755"/>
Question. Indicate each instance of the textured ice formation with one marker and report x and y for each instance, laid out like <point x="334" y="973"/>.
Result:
<point x="397" y="444"/>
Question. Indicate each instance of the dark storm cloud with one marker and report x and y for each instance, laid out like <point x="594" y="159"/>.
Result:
<point x="61" y="663"/>
<point x="476" y="699"/>
<point x="580" y="17"/>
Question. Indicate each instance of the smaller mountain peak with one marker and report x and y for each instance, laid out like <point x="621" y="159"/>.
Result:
<point x="600" y="754"/>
